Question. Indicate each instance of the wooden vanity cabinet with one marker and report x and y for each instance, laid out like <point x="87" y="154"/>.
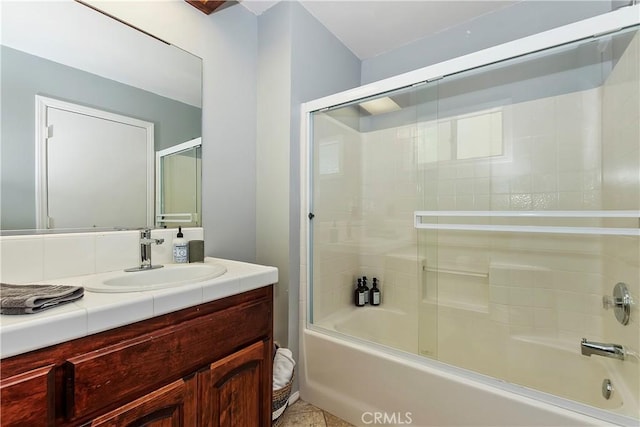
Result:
<point x="208" y="365"/>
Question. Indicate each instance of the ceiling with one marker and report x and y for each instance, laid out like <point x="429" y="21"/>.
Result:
<point x="369" y="27"/>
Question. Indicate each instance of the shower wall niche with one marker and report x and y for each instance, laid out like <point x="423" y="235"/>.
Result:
<point x="497" y="206"/>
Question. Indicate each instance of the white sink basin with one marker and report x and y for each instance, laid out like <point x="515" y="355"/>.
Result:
<point x="167" y="277"/>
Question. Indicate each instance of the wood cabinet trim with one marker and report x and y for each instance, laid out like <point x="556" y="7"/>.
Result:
<point x="226" y="367"/>
<point x="175" y="400"/>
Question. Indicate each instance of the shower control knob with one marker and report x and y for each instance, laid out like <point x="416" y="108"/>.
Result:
<point x="620" y="302"/>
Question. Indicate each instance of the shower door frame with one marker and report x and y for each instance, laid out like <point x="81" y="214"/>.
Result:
<point x="583" y="30"/>
<point x="597" y="26"/>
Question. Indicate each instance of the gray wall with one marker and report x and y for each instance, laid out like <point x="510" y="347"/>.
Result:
<point x="24" y="76"/>
<point x="298" y="60"/>
<point x="273" y="154"/>
<point x="229" y="43"/>
<point x="519" y="20"/>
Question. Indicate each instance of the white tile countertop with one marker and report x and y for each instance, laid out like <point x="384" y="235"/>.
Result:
<point x="97" y="312"/>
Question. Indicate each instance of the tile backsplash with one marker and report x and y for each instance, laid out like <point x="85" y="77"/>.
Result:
<point x="33" y="258"/>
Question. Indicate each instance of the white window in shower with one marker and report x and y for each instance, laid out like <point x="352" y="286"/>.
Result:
<point x="472" y="136"/>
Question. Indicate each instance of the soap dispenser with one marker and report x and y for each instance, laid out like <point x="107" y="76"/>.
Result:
<point x="359" y="294"/>
<point x="365" y="289"/>
<point x="180" y="248"/>
<point x="374" y="293"/>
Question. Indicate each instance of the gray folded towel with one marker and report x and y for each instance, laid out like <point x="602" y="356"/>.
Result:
<point x="28" y="299"/>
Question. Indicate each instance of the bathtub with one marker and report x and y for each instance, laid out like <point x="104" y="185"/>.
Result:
<point x="360" y="379"/>
<point x="393" y="328"/>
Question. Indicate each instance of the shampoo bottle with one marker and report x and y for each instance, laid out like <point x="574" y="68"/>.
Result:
<point x="180" y="248"/>
<point x="359" y="294"/>
<point x="365" y="288"/>
<point x="374" y="293"/>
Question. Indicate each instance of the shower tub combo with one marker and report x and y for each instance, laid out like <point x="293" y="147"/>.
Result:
<point x="496" y="198"/>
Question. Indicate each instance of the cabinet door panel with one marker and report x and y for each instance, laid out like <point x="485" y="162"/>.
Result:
<point x="235" y="392"/>
<point x="27" y="399"/>
<point x="234" y="410"/>
<point x="171" y="406"/>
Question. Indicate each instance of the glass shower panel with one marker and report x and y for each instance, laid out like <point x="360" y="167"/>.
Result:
<point x="336" y="226"/>
<point x="365" y="181"/>
<point x="531" y="195"/>
<point x="432" y="145"/>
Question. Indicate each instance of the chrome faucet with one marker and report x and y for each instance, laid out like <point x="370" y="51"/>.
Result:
<point x="145" y="251"/>
<point x="615" y="351"/>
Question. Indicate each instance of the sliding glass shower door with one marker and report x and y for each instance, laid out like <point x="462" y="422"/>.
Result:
<point x="530" y="219"/>
<point x="497" y="208"/>
<point x="365" y="190"/>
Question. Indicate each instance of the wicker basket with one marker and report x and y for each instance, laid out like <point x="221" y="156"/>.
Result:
<point x="280" y="399"/>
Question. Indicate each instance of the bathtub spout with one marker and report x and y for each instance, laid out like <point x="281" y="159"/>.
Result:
<point x="614" y="351"/>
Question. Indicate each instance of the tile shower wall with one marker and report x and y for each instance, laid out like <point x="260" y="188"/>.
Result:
<point x="550" y="286"/>
<point x="540" y="301"/>
<point x="33" y="258"/>
<point x="621" y="190"/>
<point x="545" y="167"/>
<point x="544" y="285"/>
<point x="551" y="160"/>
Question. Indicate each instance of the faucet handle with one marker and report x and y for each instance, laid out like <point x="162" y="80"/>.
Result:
<point x="620" y="302"/>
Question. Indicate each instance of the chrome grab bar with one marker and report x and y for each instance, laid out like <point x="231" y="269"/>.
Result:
<point x="615" y="351"/>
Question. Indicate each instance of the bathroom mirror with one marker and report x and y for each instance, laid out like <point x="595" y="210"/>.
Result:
<point x="71" y="53"/>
